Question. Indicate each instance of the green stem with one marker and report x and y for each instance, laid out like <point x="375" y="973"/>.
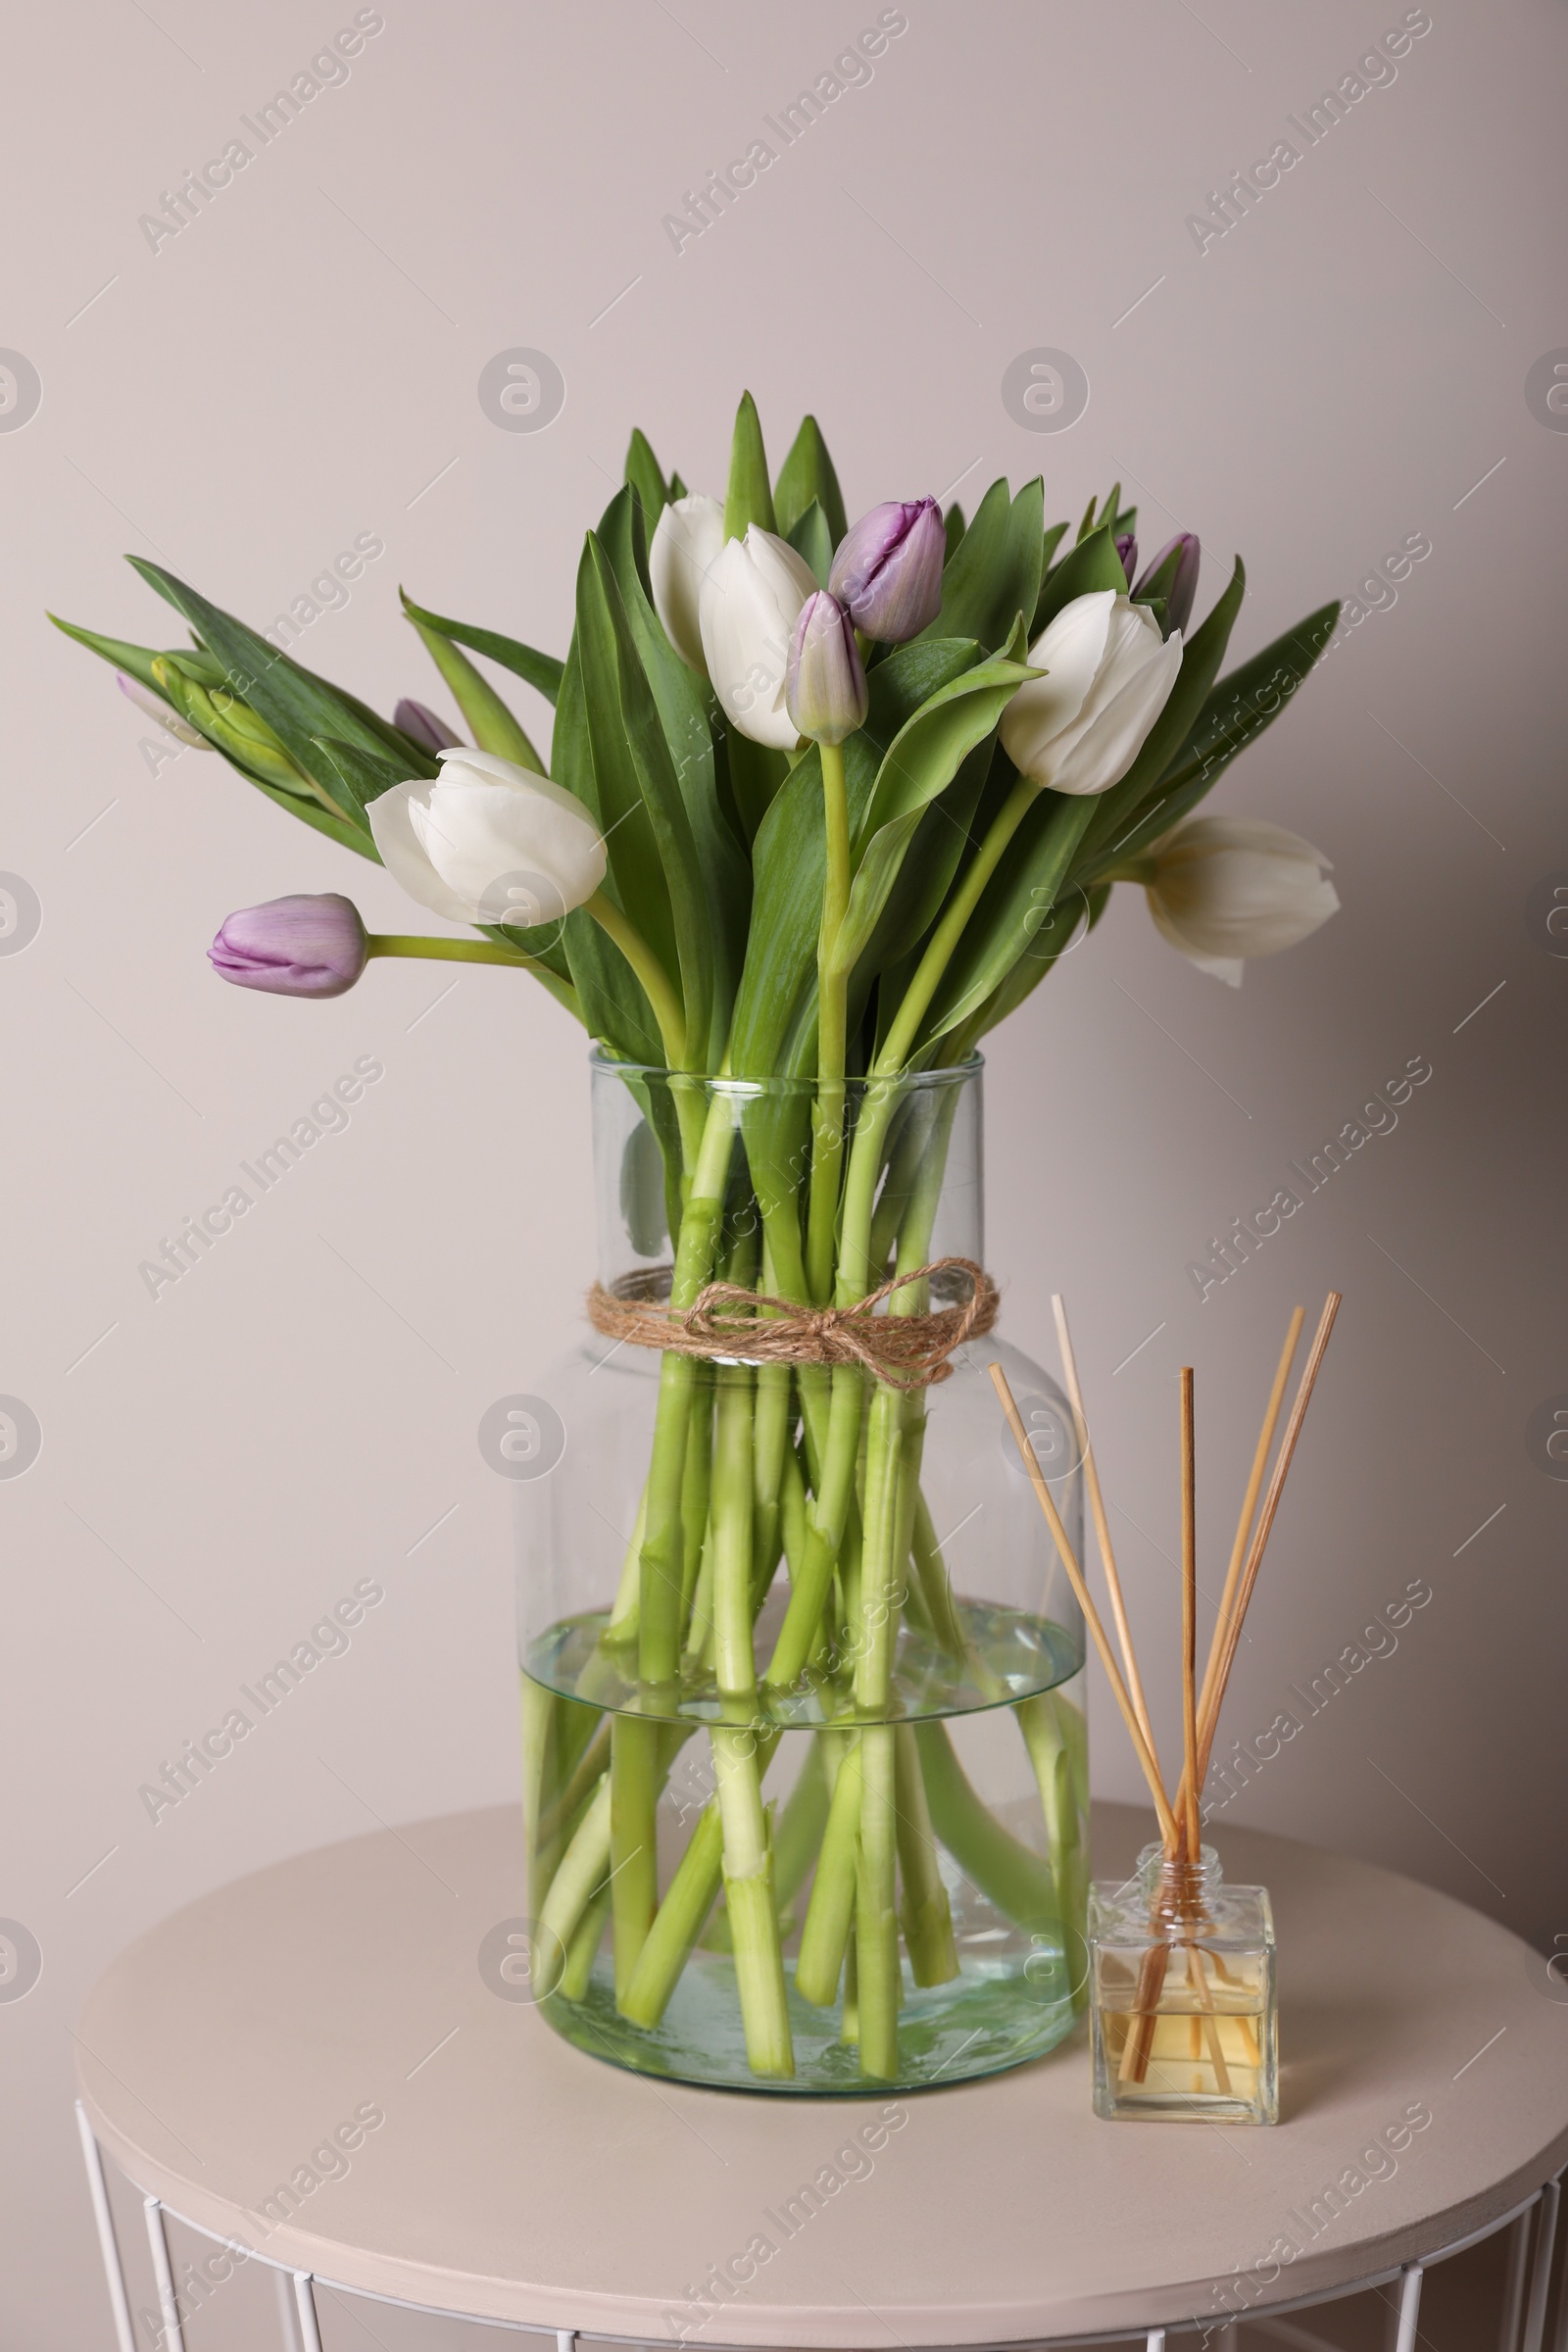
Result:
<point x="734" y="1662"/>
<point x="933" y="964"/>
<point x="635" y="1781"/>
<point x="1008" y="1873"/>
<point x="694" y="1489"/>
<point x="749" y="1901"/>
<point x="583" y="1870"/>
<point x="830" y="1913"/>
<point x="1047" y="1723"/>
<point x="832" y="1014"/>
<point x="668" y="1012"/>
<point x="583" y="1950"/>
<point x="876" y="1917"/>
<point x="446" y="951"/>
<point x="936" y="1587"/>
<point x="927" y="1914"/>
<point x="798" y="1832"/>
<point x="661" y="1591"/>
<point x="825" y="1532"/>
<point x="775" y="1411"/>
<point x="669" y="1941"/>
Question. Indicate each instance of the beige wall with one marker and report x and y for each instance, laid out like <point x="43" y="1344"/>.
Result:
<point x="299" y="367"/>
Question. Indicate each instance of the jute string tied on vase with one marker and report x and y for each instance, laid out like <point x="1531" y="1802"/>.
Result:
<point x="903" y="1351"/>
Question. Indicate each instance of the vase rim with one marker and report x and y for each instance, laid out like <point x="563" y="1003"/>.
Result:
<point x="748" y="1089"/>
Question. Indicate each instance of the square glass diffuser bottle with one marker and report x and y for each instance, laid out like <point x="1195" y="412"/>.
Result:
<point x="1182" y="1982"/>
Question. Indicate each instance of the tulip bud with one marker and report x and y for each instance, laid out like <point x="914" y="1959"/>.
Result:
<point x="1079" y="729"/>
<point x="295" y="947"/>
<point x="423" y="725"/>
<point x="687" y="537"/>
<point x="750" y="600"/>
<point x="1182" y="586"/>
<point x="1223" y="888"/>
<point x="160" y="713"/>
<point x="233" y="725"/>
<point x="488" y="841"/>
<point x="888" y="569"/>
<point x="824" y="686"/>
<point x="1127" y="549"/>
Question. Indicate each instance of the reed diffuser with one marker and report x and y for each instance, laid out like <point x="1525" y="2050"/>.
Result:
<point x="1182" y="1993"/>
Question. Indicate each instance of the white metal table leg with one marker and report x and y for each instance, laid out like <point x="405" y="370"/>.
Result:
<point x="1513" y="2293"/>
<point x="289" y="2317"/>
<point x="1541" y="2267"/>
<point x="304" y="2307"/>
<point x="1405" y="2317"/>
<point x="108" y="2243"/>
<point x="1156" y="2339"/>
<point x="164" y="2276"/>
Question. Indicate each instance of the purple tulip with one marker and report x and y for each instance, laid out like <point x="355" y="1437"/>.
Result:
<point x="424" y="726"/>
<point x="888" y="568"/>
<point x="825" y="684"/>
<point x="296" y="947"/>
<point x="1184" y="584"/>
<point x="1127" y="549"/>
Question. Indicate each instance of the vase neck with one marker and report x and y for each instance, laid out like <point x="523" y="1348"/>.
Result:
<point x="920" y="1183"/>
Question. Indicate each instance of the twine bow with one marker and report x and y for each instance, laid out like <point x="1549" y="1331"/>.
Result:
<point x="903" y="1352"/>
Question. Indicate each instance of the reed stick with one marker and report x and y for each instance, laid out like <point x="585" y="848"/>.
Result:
<point x="1085" y="1600"/>
<point x="1188" y="1613"/>
<point x="1265" y="1523"/>
<point x="1243" y="1525"/>
<point x="1097" y="1505"/>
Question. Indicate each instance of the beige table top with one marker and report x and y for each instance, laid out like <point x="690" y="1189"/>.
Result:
<point x="512" y="2178"/>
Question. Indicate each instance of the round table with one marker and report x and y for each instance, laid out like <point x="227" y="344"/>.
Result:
<point x="312" y="2064"/>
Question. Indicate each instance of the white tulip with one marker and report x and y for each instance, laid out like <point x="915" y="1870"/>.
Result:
<point x="1080" y="728"/>
<point x="686" y="539"/>
<point x="750" y="599"/>
<point x="1223" y="888"/>
<point x="489" y="842"/>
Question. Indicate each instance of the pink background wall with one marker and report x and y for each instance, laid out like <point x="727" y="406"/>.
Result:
<point x="1342" y="372"/>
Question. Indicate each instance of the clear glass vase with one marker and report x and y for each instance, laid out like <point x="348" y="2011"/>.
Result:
<point x="1184" y="2013"/>
<point x="804" y="1733"/>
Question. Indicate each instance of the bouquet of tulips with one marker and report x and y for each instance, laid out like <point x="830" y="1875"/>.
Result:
<point x="821" y="803"/>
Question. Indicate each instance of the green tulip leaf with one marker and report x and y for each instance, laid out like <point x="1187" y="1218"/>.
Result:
<point x="296" y="704"/>
<point x="1016" y="908"/>
<point x="1236" y="713"/>
<point x="994" y="572"/>
<point x="723" y="871"/>
<point x="642" y="470"/>
<point x="648" y="834"/>
<point x="807" y="473"/>
<point x="777" y="998"/>
<point x="810" y="537"/>
<point x="614" y="1007"/>
<point x="1027" y="973"/>
<point x="1093" y="567"/>
<point x="542" y="672"/>
<point x="311" y="813"/>
<point x="754" y="775"/>
<point x="489" y="721"/>
<point x="1053" y="540"/>
<point x="926" y="874"/>
<point x="137" y="661"/>
<point x="1118" y="810"/>
<point x="747" y="499"/>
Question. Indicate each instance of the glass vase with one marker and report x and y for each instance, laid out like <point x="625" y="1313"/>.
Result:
<point x="1183" y="1993"/>
<point x="804" y="1732"/>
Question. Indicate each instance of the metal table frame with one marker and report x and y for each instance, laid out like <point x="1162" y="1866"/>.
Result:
<point x="1525" y="2295"/>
